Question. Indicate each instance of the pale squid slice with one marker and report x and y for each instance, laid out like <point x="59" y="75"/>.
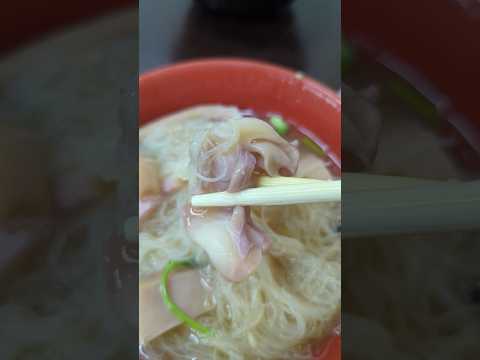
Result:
<point x="310" y="166"/>
<point x="185" y="289"/>
<point x="233" y="245"/>
<point x="149" y="189"/>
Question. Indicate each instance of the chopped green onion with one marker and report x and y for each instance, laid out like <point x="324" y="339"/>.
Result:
<point x="313" y="146"/>
<point x="171" y="306"/>
<point x="280" y="125"/>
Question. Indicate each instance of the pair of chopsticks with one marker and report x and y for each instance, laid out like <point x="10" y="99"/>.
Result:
<point x="275" y="191"/>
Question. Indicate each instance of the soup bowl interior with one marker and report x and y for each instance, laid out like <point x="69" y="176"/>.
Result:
<point x="263" y="88"/>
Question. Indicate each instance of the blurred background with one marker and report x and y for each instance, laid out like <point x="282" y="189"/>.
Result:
<point x="410" y="277"/>
<point x="68" y="76"/>
<point x="303" y="35"/>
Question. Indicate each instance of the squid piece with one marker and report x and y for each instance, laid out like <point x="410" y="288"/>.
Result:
<point x="310" y="166"/>
<point x="186" y="291"/>
<point x="224" y="159"/>
<point x="149" y="189"/>
<point x="148" y="178"/>
<point x="233" y="243"/>
<point x="275" y="153"/>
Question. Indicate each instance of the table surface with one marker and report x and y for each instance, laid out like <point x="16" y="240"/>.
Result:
<point x="306" y="37"/>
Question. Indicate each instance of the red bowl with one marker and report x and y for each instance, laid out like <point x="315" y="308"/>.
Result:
<point x="251" y="85"/>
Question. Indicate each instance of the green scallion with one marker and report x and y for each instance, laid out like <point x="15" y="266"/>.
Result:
<point x="312" y="146"/>
<point x="280" y="125"/>
<point x="171" y="306"/>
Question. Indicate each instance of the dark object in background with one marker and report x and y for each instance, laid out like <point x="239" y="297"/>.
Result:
<point x="245" y="7"/>
<point x="260" y="38"/>
<point x="304" y="36"/>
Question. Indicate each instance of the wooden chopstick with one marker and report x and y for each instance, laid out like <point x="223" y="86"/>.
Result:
<point x="264" y="181"/>
<point x="268" y="194"/>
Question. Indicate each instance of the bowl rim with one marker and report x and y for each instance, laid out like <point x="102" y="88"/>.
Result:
<point x="240" y="62"/>
<point x="329" y="97"/>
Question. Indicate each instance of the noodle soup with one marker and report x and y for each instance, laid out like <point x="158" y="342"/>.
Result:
<point x="255" y="282"/>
